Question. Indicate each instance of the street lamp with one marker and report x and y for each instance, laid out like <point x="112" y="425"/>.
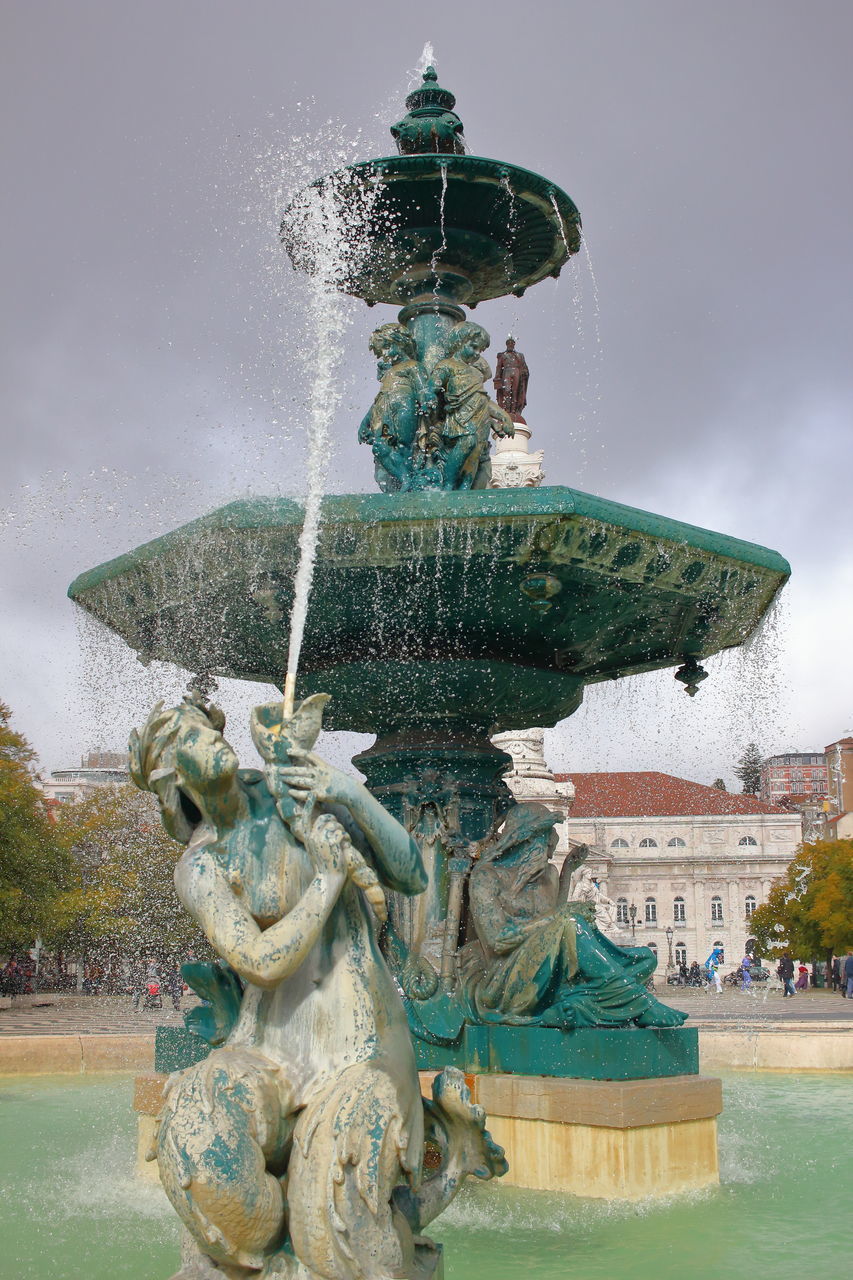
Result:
<point x="668" y="932"/>
<point x="632" y="912"/>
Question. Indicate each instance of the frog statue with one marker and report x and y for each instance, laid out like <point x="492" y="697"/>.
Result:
<point x="296" y="1147"/>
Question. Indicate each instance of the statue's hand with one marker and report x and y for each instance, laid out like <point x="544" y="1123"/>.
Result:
<point x="328" y="845"/>
<point x="311" y="775"/>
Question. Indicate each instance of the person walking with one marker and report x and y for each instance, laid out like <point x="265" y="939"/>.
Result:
<point x="848" y="975"/>
<point x="745" y="975"/>
<point x="802" y="983"/>
<point x="174" y="984"/>
<point x="137" y="982"/>
<point x="786" y="973"/>
<point x="712" y="968"/>
<point x="836" y="973"/>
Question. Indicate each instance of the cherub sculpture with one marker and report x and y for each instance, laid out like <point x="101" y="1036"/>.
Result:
<point x="396" y="418"/>
<point x="539" y="958"/>
<point x="295" y="1148"/>
<point x="467" y="414"/>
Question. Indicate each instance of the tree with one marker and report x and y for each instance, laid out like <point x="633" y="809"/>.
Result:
<point x="34" y="868"/>
<point x="748" y="769"/>
<point x="123" y="899"/>
<point x="719" y="784"/>
<point x="809" y="911"/>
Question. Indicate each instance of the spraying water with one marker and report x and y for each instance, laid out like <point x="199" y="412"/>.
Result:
<point x="332" y="234"/>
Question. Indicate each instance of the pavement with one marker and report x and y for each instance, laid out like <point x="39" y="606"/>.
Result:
<point x="74" y="1015"/>
<point x="759" y="1007"/>
<point x="114" y="1015"/>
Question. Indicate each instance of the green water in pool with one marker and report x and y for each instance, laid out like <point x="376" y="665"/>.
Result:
<point x="71" y="1208"/>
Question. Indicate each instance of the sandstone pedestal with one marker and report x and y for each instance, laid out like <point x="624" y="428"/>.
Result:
<point x="609" y="1139"/>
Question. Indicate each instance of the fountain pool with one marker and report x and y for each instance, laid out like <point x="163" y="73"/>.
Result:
<point x="68" y="1197"/>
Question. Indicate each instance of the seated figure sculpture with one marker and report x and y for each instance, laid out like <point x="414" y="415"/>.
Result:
<point x="539" y="958"/>
<point x="294" y="1149"/>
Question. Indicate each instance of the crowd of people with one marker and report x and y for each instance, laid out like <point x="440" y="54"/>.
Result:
<point x="146" y="979"/>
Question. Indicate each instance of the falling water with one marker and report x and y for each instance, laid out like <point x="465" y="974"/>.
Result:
<point x="442" y="246"/>
<point x="561" y="223"/>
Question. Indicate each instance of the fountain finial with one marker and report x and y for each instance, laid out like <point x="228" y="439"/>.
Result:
<point x="431" y="125"/>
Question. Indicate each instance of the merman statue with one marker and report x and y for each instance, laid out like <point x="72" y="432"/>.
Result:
<point x="538" y="958"/>
<point x="295" y="1148"/>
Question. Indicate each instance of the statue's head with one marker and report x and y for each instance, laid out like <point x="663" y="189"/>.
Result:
<point x="527" y="831"/>
<point x="159" y="763"/>
<point x="273" y="736"/>
<point x="392" y="344"/>
<point x="467" y="341"/>
<point x="510" y="344"/>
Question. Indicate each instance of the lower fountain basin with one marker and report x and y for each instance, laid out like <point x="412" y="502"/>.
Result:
<point x="488" y="609"/>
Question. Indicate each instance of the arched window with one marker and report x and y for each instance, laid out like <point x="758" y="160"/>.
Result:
<point x="747" y="840"/>
<point x="749" y="906"/>
<point x="716" y="910"/>
<point x="721" y="949"/>
<point x="676" y="843"/>
<point x="653" y="947"/>
<point x="680" y="953"/>
<point x="651" y="911"/>
<point x="679" y="913"/>
<point x="619" y="843"/>
<point x="621" y="910"/>
<point x="648" y="843"/>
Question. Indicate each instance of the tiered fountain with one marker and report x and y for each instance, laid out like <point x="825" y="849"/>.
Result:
<point x="441" y="612"/>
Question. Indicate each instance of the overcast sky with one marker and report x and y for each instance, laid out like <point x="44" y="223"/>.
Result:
<point x="697" y="362"/>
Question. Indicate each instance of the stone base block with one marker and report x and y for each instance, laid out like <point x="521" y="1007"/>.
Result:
<point x="587" y="1053"/>
<point x="611" y="1140"/>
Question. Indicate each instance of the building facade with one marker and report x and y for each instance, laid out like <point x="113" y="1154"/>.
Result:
<point x="97" y="769"/>
<point x="794" y="776"/>
<point x="685" y="857"/>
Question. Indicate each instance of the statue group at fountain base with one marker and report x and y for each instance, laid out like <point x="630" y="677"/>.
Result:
<point x="430" y="425"/>
<point x="301" y="1145"/>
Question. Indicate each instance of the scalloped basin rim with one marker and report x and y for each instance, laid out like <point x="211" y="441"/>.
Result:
<point x="375" y="508"/>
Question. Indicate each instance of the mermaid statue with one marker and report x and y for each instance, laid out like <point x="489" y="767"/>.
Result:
<point x="296" y="1147"/>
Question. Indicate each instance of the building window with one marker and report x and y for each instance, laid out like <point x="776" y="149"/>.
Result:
<point x="718" y="946"/>
<point x="621" y="910"/>
<point x="679" y="914"/>
<point x="651" y="911"/>
<point x="653" y="947"/>
<point x="648" y="843"/>
<point x="749" y="906"/>
<point x="676" y="843"/>
<point x="717" y="911"/>
<point x="680" y="953"/>
<point x="747" y="840"/>
<point x="619" y="843"/>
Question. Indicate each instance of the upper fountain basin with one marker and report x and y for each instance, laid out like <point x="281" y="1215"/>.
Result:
<point x="488" y="609"/>
<point x="461" y="226"/>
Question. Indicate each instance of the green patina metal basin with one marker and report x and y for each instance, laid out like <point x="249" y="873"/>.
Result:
<point x="483" y="230"/>
<point x="477" y="610"/>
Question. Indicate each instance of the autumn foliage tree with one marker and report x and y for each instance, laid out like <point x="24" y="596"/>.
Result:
<point x="809" y="912"/>
<point x="34" y="866"/>
<point x="122" y="900"/>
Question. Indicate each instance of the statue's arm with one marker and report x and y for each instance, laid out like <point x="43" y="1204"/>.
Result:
<point x="266" y="957"/>
<point x="388" y="846"/>
<point x="390" y="849"/>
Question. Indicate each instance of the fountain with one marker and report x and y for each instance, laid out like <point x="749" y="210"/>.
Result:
<point x="441" y="611"/>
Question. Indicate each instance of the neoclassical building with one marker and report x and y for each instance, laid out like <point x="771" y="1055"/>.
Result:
<point x="686" y="857"/>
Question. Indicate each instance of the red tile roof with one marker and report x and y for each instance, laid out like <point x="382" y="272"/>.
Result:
<point x="650" y="795"/>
